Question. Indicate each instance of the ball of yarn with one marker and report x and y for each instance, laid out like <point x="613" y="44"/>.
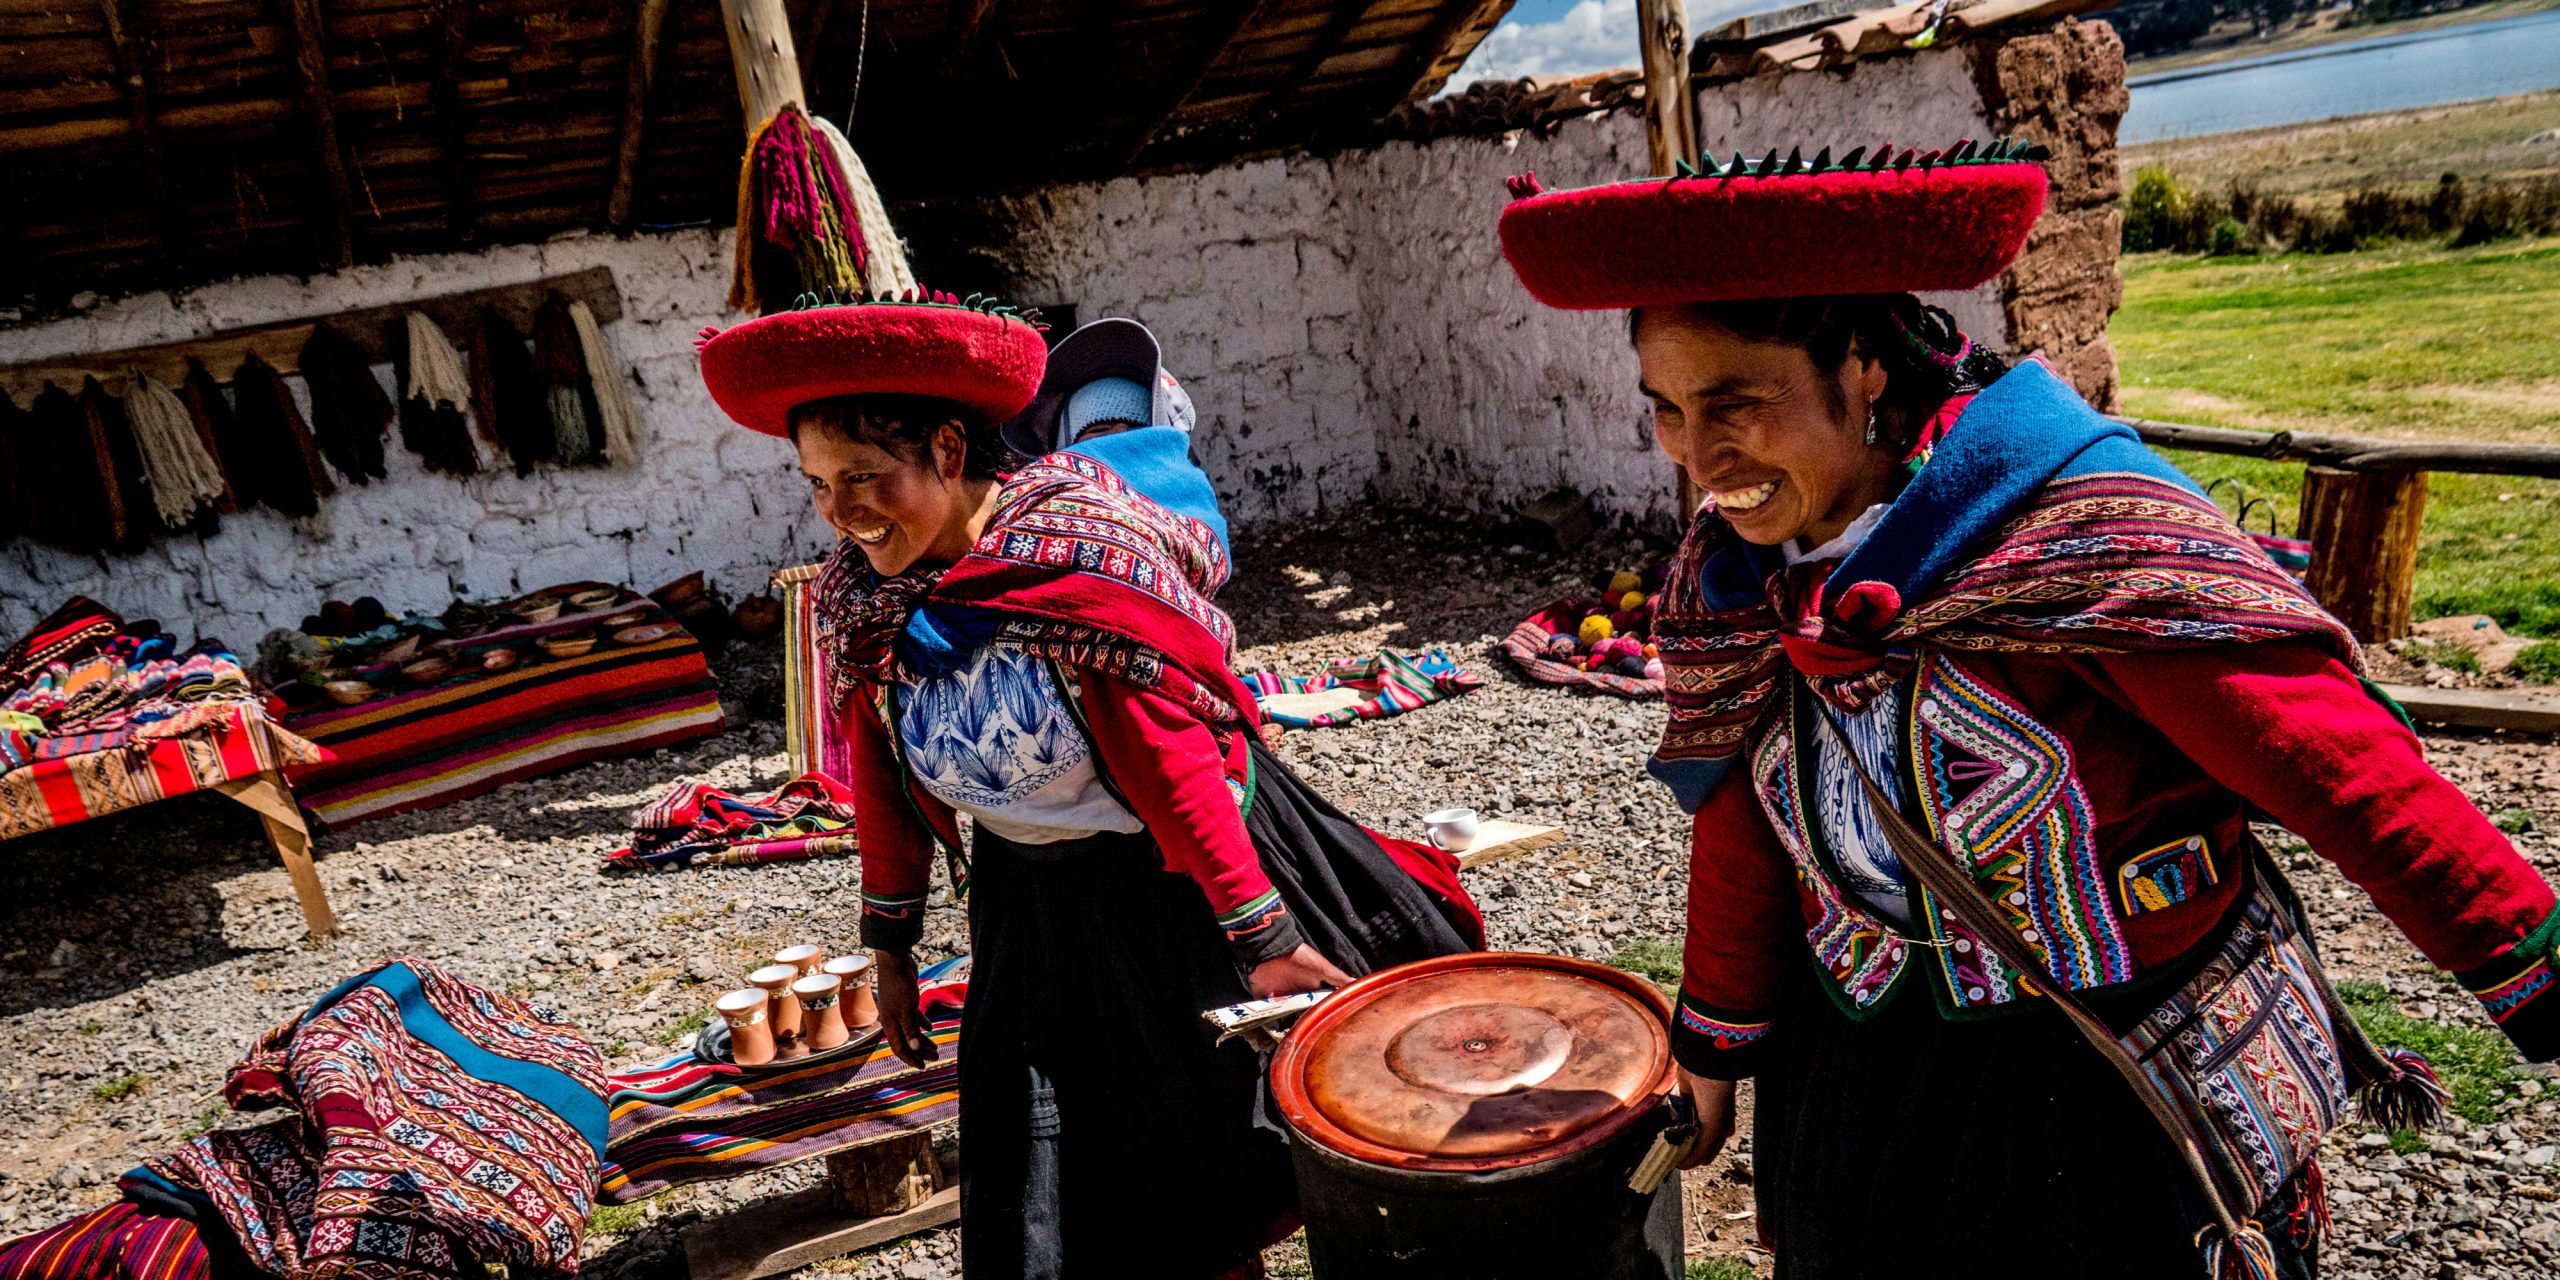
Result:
<point x="1561" y="645"/>
<point x="1652" y="650"/>
<point x="1632" y="601"/>
<point x="1596" y="629"/>
<point x="1651" y="578"/>
<point x="1621" y="583"/>
<point x="1653" y="668"/>
<point x="1624" y="623"/>
<point x="1632" y="668"/>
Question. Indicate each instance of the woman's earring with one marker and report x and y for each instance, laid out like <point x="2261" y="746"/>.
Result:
<point x="1871" y="424"/>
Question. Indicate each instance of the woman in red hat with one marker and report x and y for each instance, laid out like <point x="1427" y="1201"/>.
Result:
<point x="1036" y="648"/>
<point x="1974" y="698"/>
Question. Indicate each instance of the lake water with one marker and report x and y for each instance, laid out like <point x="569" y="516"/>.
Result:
<point x="2385" y="73"/>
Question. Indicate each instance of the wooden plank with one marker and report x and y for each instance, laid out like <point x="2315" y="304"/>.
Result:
<point x="2355" y="453"/>
<point x="311" y="62"/>
<point x="1245" y="15"/>
<point x="1422" y="74"/>
<point x="1783" y="22"/>
<point x="453" y="118"/>
<point x="268" y="797"/>
<point x="971" y="24"/>
<point x="790" y="1232"/>
<point x="133" y="67"/>
<point x="1499" y="840"/>
<point x="648" y="29"/>
<point x="2515" y="710"/>
<point x="2363" y="528"/>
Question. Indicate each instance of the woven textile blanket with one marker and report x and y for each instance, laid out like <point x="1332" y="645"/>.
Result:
<point x="1526" y="646"/>
<point x="433" y="746"/>
<point x="119" y="1242"/>
<point x="438" y="1128"/>
<point x="698" y="824"/>
<point x="225" y="741"/>
<point x="688" y="1120"/>
<point x="1372" y="688"/>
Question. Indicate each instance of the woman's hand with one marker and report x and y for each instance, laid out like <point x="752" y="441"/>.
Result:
<point x="1714" y="1102"/>
<point x="1300" y="970"/>
<point x="900" y="1022"/>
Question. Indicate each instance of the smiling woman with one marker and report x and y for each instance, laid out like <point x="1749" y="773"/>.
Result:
<point x="906" y="477"/>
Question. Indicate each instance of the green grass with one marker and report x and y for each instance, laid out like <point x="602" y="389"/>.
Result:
<point x="616" y="1219"/>
<point x="2408" y="341"/>
<point x="684" y="1026"/>
<point x="2476" y="1066"/>
<point x="2446" y="654"/>
<point x="2515" y="820"/>
<point x="206" y="1121"/>
<point x="119" y="1089"/>
<point x="1719" y="1269"/>
<point x="91" y="1027"/>
<point x="1652" y="958"/>
<point x="2540" y="661"/>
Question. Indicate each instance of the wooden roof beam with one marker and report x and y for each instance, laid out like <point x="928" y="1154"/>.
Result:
<point x="1155" y="122"/>
<point x="1421" y="73"/>
<point x="648" y="31"/>
<point x="972" y="25"/>
<point x="1338" y="27"/>
<point x="133" y="66"/>
<point x="461" y="215"/>
<point x="311" y="62"/>
<point x="813" y="31"/>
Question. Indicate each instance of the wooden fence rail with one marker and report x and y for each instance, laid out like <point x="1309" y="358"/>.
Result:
<point x="2363" y="501"/>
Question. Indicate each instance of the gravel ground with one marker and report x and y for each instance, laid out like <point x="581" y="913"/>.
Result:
<point x="140" y="954"/>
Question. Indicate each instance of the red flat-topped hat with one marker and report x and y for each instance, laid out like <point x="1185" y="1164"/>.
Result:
<point x="971" y="351"/>
<point x="1886" y="221"/>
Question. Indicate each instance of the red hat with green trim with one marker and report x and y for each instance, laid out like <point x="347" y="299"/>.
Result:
<point x="1886" y="221"/>
<point x="984" y="357"/>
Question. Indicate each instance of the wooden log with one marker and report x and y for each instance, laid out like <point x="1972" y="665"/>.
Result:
<point x="453" y="120"/>
<point x="311" y="61"/>
<point x="648" y="29"/>
<point x="972" y="23"/>
<point x="1424" y="75"/>
<point x="878" y="1179"/>
<point x="790" y="1232"/>
<point x="767" y="65"/>
<point x="2515" y="710"/>
<point x="1670" y="131"/>
<point x="1154" y="122"/>
<point x="133" y="65"/>
<point x="2355" y="453"/>
<point x="2363" y="529"/>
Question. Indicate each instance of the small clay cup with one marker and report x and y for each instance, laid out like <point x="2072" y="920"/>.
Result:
<point x="807" y="957"/>
<point x="775" y="981"/>
<point x="818" y="995"/>
<point x="860" y="1009"/>
<point x="750" y="1030"/>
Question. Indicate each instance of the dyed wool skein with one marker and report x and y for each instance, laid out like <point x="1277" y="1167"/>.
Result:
<point x="616" y="417"/>
<point x="433" y="393"/>
<point x="184" y="480"/>
<point x="350" y="415"/>
<point x="277" y="443"/>
<point x="575" y="438"/>
<point x="502" y="376"/>
<point x="127" y="496"/>
<point x="210" y="415"/>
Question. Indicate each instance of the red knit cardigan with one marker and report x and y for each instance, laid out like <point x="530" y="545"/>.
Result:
<point x="2168" y="746"/>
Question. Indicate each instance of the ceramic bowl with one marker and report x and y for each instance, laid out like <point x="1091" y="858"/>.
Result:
<point x="594" y="598"/>
<point x="537" y="608"/>
<point x="428" y="670"/>
<point x="400" y="650"/>
<point x="626" y="618"/>
<point x="686" y="588"/>
<point x="347" y="693"/>
<point x="643" y="635"/>
<point x="567" y="646"/>
<point x="500" y="659"/>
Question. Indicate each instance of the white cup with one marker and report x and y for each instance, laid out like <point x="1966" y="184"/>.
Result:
<point x="1451" y="829"/>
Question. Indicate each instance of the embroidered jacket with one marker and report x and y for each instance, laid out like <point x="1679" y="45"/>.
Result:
<point x="1175" y="772"/>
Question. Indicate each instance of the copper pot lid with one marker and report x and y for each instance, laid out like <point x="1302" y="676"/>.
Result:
<point x="1476" y="1062"/>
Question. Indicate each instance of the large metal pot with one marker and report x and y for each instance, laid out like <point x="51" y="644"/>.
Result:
<point x="1478" y="1116"/>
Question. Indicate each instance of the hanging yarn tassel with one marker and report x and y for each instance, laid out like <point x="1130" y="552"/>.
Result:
<point x="183" y="478"/>
<point x="484" y="386"/>
<point x="615" y="414"/>
<point x="797" y="229"/>
<point x="127" y="496"/>
<point x="215" y="428"/>
<point x="563" y="369"/>
<point x="278" y="443"/>
<point x="886" y="271"/>
<point x="2310" y="1218"/>
<point x="434" y="391"/>
<point x="349" y="413"/>
<point x="74" y="476"/>
<point x="2409" y="1097"/>
<point x="2244" y="1255"/>
<point x="15" y="478"/>
<point x="517" y="403"/>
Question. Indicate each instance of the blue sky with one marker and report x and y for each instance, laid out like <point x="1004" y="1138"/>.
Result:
<point x="1572" y="37"/>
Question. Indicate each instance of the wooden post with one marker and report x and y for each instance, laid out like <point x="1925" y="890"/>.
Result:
<point x="2363" y="529"/>
<point x="648" y="28"/>
<point x="272" y="801"/>
<point x="891" y="1176"/>
<point x="1670" y="126"/>
<point x="760" y="49"/>
<point x="311" y="58"/>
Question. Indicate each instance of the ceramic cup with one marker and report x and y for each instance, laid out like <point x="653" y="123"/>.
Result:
<point x="750" y="1031"/>
<point x="1451" y="829"/>
<point x="818" y="995"/>
<point x="805" y="958"/>
<point x="860" y="1009"/>
<point x="775" y="981"/>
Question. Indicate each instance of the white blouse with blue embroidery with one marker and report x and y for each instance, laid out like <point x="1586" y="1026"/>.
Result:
<point x="994" y="740"/>
<point x="1868" y="867"/>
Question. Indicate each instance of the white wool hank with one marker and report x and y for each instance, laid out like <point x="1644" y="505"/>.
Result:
<point x="182" y="477"/>
<point x="435" y="367"/>
<point x="613" y="392"/>
<point x="885" y="272"/>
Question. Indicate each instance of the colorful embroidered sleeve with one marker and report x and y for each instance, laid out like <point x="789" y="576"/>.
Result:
<point x="2294" y="731"/>
<point x="896" y="848"/>
<point x="1745" y="922"/>
<point x="1170" y="769"/>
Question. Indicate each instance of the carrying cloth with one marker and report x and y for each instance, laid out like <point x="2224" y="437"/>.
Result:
<point x="1372" y="688"/>
<point x="2035" y="527"/>
<point x="437" y="1128"/>
<point x="696" y="823"/>
<point x="1526" y="646"/>
<point x="696" y="1117"/>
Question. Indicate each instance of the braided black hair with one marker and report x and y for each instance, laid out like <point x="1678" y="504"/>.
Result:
<point x="904" y="425"/>
<point x="1926" y="358"/>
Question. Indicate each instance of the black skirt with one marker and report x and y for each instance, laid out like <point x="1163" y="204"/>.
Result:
<point x="1915" y="1147"/>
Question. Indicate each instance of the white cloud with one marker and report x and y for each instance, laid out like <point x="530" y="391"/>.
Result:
<point x="1593" y="35"/>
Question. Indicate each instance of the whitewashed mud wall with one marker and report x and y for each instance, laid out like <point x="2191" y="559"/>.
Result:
<point x="1349" y="329"/>
<point x="706" y="495"/>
